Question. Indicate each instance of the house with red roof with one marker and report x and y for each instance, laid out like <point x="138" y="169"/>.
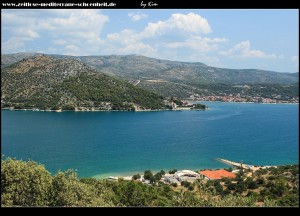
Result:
<point x="217" y="174"/>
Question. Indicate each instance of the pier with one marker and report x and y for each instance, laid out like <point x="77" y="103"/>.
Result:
<point x="239" y="165"/>
<point x="242" y="165"/>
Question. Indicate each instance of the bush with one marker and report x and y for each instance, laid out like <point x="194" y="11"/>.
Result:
<point x="186" y="184"/>
<point x="68" y="191"/>
<point x="136" y="176"/>
<point x="219" y="188"/>
<point x="228" y="169"/>
<point x="271" y="178"/>
<point x="68" y="107"/>
<point x="24" y="183"/>
<point x="226" y="192"/>
<point x="174" y="184"/>
<point x="162" y="172"/>
<point x="158" y="176"/>
<point x="231" y="186"/>
<point x="260" y="181"/>
<point x="172" y="171"/>
<point x="250" y="183"/>
<point x="190" y="187"/>
<point x="149" y="176"/>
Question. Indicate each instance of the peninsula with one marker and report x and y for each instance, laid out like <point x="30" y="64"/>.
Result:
<point x="45" y="83"/>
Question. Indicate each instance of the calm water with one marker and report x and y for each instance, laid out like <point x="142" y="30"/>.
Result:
<point x="110" y="143"/>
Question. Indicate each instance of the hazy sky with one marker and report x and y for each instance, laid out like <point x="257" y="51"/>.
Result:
<point x="261" y="39"/>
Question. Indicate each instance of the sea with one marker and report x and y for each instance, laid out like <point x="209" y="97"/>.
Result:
<point x="102" y="144"/>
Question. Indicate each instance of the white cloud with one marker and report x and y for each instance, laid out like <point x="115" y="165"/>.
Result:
<point x="147" y="42"/>
<point x="80" y="27"/>
<point x="72" y="50"/>
<point x="137" y="16"/>
<point x="26" y="33"/>
<point x="295" y="59"/>
<point x="126" y="36"/>
<point x="13" y="44"/>
<point x="60" y="42"/>
<point x="203" y="44"/>
<point x="243" y="50"/>
<point x="190" y="23"/>
<point x="51" y="50"/>
<point x="128" y="42"/>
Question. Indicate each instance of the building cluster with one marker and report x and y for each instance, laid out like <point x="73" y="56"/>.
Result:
<point x="186" y="175"/>
<point x="248" y="99"/>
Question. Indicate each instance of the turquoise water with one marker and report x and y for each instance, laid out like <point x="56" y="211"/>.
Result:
<point x="111" y="143"/>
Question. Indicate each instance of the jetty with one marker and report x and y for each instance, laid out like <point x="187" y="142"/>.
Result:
<point x="243" y="165"/>
<point x="240" y="165"/>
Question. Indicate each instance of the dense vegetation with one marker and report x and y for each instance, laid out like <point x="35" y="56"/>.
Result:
<point x="143" y="68"/>
<point x="199" y="106"/>
<point x="30" y="184"/>
<point x="46" y="83"/>
<point x="171" y="89"/>
<point x="182" y="79"/>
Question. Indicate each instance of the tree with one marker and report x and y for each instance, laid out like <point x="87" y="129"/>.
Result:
<point x="24" y="183"/>
<point x="172" y="171"/>
<point x="68" y="191"/>
<point x="136" y="176"/>
<point x="174" y="184"/>
<point x="228" y="169"/>
<point x="226" y="192"/>
<point x="250" y="183"/>
<point x="219" y="188"/>
<point x="231" y="186"/>
<point x="240" y="187"/>
<point x="260" y="181"/>
<point x="149" y="176"/>
<point x="158" y="176"/>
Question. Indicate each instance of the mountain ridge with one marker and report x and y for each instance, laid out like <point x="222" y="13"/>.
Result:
<point x="110" y="64"/>
<point x="183" y="79"/>
<point x="48" y="83"/>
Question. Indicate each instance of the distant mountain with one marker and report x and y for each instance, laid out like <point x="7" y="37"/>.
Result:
<point x="48" y="83"/>
<point x="180" y="79"/>
<point x="144" y="68"/>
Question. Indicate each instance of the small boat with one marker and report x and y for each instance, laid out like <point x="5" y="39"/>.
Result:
<point x="112" y="178"/>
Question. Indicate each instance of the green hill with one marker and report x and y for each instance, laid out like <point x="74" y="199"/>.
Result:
<point x="47" y="83"/>
<point x="182" y="79"/>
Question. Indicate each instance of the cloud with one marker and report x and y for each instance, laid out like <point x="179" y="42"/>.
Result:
<point x="13" y="44"/>
<point x="150" y="40"/>
<point x="243" y="50"/>
<point x="190" y="23"/>
<point x="59" y="42"/>
<point x="203" y="44"/>
<point x="64" y="27"/>
<point x="26" y="33"/>
<point x="72" y="50"/>
<point x="137" y="16"/>
<point x="295" y="59"/>
<point x="128" y="42"/>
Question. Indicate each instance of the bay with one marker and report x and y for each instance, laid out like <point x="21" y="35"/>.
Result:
<point x="100" y="144"/>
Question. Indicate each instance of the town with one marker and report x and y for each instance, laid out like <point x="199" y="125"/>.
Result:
<point x="244" y="99"/>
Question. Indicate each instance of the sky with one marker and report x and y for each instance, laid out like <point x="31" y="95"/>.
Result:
<point x="238" y="38"/>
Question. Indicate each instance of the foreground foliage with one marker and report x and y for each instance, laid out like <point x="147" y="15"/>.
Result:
<point x="30" y="184"/>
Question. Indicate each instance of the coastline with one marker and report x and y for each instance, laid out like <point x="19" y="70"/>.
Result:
<point x="146" y="110"/>
<point x="93" y="110"/>
<point x="244" y="102"/>
<point x="128" y="174"/>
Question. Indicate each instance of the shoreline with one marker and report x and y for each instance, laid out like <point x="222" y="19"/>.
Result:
<point x="224" y="163"/>
<point x="245" y="102"/>
<point x="130" y="173"/>
<point x="156" y="110"/>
